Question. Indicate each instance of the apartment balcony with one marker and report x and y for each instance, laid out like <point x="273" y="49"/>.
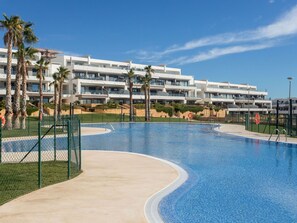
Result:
<point x="219" y="99"/>
<point x="180" y="87"/>
<point x="234" y="91"/>
<point x="3" y="60"/>
<point x="93" y="94"/>
<point x="263" y="110"/>
<point x="30" y="78"/>
<point x="111" y="83"/>
<point x="263" y="101"/>
<point x="111" y="70"/>
<point x="34" y="92"/>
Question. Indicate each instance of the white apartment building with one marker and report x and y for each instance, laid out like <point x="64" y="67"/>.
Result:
<point x="236" y="98"/>
<point x="98" y="81"/>
<point x="32" y="81"/>
<point x="94" y="81"/>
<point x="284" y="106"/>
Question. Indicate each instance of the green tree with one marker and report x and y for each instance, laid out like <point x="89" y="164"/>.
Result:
<point x="146" y="80"/>
<point x="29" y="54"/>
<point x="149" y="71"/>
<point x="130" y="75"/>
<point x="55" y="82"/>
<point x="41" y="66"/>
<point x="63" y="73"/>
<point x="14" y="28"/>
<point x="27" y="37"/>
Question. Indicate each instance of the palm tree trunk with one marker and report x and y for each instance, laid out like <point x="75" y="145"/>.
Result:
<point x="16" y="99"/>
<point x="145" y="101"/>
<point x="131" y="101"/>
<point x="149" y="103"/>
<point x="8" y="108"/>
<point x="55" y="101"/>
<point x="41" y="95"/>
<point x="24" y="95"/>
<point x="60" y="99"/>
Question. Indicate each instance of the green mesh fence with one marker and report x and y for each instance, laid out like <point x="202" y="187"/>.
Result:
<point x="270" y="122"/>
<point x="37" y="153"/>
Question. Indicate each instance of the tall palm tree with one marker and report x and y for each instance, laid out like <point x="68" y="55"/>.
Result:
<point x="27" y="36"/>
<point x="55" y="82"/>
<point x="14" y="28"/>
<point x="130" y="75"/>
<point x="29" y="54"/>
<point x="149" y="72"/>
<point x="41" y="66"/>
<point x="16" y="97"/>
<point x="146" y="79"/>
<point x="63" y="74"/>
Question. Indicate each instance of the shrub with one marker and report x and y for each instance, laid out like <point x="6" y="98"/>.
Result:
<point x="184" y="108"/>
<point x="30" y="110"/>
<point x="139" y="106"/>
<point x="166" y="109"/>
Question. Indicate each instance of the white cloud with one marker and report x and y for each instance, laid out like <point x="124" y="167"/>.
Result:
<point x="218" y="52"/>
<point x="284" y="26"/>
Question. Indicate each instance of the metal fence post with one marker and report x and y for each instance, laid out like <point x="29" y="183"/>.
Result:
<point x="277" y="114"/>
<point x="39" y="155"/>
<point x="55" y="139"/>
<point x="28" y="125"/>
<point x="69" y="148"/>
<point x="291" y="117"/>
<point x="79" y="143"/>
<point x="295" y="125"/>
<point x="0" y="140"/>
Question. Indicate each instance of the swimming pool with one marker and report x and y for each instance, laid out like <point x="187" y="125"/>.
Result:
<point x="231" y="179"/>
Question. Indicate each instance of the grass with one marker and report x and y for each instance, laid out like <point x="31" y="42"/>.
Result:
<point x="94" y="118"/>
<point x="32" y="123"/>
<point x="19" y="179"/>
<point x="265" y="128"/>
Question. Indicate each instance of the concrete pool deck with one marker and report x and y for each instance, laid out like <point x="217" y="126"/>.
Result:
<point x="239" y="130"/>
<point x="114" y="187"/>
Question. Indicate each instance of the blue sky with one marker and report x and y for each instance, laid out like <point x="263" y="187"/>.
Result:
<point x="241" y="41"/>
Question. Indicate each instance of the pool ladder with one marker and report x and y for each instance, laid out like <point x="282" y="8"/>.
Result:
<point x="109" y="125"/>
<point x="278" y="134"/>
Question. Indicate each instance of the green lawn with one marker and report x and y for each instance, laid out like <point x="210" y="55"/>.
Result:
<point x="19" y="179"/>
<point x="95" y="118"/>
<point x="265" y="128"/>
<point x="32" y="123"/>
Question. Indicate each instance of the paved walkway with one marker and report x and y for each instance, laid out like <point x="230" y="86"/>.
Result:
<point x="113" y="188"/>
<point x="239" y="130"/>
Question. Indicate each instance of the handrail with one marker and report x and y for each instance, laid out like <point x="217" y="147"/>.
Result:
<point x="286" y="134"/>
<point x="110" y="126"/>
<point x="277" y="132"/>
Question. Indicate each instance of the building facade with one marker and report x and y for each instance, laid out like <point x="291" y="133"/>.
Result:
<point x="94" y="81"/>
<point x="284" y="106"/>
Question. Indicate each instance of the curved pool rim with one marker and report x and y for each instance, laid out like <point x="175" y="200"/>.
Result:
<point x="156" y="211"/>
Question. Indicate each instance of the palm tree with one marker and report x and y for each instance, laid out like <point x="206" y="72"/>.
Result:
<point x="55" y="82"/>
<point x="145" y="87"/>
<point x="16" y="99"/>
<point x="14" y="28"/>
<point x="63" y="74"/>
<point x="29" y="54"/>
<point x="41" y="66"/>
<point x="130" y="75"/>
<point x="27" y="36"/>
<point x="149" y="72"/>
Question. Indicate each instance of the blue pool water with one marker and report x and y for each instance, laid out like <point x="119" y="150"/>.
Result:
<point x="231" y="179"/>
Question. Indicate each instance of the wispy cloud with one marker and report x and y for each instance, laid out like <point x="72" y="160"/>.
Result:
<point x="218" y="52"/>
<point x="284" y="26"/>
